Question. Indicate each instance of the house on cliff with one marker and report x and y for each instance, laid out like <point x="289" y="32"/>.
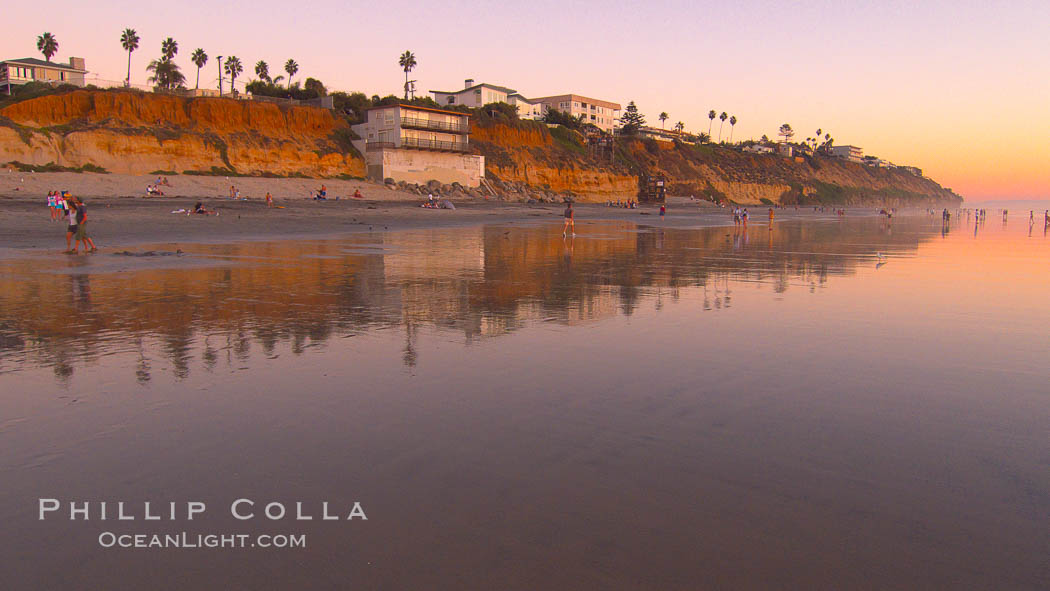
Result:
<point x="603" y="114"/>
<point x="477" y="95"/>
<point x="30" y="69"/>
<point x="417" y="145"/>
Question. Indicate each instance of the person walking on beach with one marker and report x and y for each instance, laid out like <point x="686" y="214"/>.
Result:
<point x="269" y="199"/>
<point x="52" y="204"/>
<point x="71" y="220"/>
<point x="663" y="210"/>
<point x="570" y="221"/>
<point x="743" y="217"/>
<point x="81" y="232"/>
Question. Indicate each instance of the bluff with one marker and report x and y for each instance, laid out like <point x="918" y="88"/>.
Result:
<point x="559" y="159"/>
<point x="136" y="133"/>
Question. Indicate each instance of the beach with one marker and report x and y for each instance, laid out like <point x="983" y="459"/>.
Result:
<point x="121" y="215"/>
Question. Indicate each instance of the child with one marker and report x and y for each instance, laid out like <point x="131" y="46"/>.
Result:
<point x="269" y="199"/>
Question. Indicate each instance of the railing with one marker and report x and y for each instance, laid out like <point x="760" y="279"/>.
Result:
<point x="412" y="142"/>
<point x="421" y="144"/>
<point x="416" y="122"/>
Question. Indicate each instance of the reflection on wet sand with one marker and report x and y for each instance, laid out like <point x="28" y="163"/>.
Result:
<point x="220" y="300"/>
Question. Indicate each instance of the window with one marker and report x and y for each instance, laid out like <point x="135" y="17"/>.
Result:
<point x="451" y="99"/>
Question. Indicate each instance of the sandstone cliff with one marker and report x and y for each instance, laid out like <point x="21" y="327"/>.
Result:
<point x="561" y="160"/>
<point x="136" y="133"/>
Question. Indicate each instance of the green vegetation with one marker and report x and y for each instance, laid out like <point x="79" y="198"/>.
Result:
<point x="631" y="120"/>
<point x="47" y="44"/>
<point x="199" y="58"/>
<point x="233" y="68"/>
<point x="291" y="67"/>
<point x="215" y="171"/>
<point x="166" y="74"/>
<point x="407" y="61"/>
<point x="568" y="138"/>
<point x="52" y="167"/>
<point x="163" y="172"/>
<point x="129" y="40"/>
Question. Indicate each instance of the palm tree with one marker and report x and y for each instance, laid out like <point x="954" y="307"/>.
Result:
<point x="679" y="127"/>
<point x="291" y="67"/>
<point x="407" y="61"/>
<point x="166" y="74"/>
<point x="732" y="126"/>
<point x="233" y="68"/>
<point x="129" y="40"/>
<point x="711" y="115"/>
<point x="168" y="48"/>
<point x="722" y="118"/>
<point x="48" y="45"/>
<point x="663" y="117"/>
<point x="262" y="70"/>
<point x="199" y="58"/>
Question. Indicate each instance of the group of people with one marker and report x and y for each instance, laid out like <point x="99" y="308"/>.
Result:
<point x="740" y="216"/>
<point x="62" y="204"/>
<point x="154" y="189"/>
<point x="629" y="204"/>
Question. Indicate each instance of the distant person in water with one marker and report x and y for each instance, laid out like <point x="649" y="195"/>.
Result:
<point x="570" y="220"/>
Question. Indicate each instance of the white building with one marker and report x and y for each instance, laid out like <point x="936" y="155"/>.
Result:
<point x="603" y="114"/>
<point x="476" y="95"/>
<point x="417" y="145"/>
<point x="851" y="153"/>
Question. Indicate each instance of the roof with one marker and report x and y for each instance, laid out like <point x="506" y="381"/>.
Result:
<point x="523" y="99"/>
<point x="432" y="110"/>
<point x="32" y="61"/>
<point x="579" y="97"/>
<point x="485" y="84"/>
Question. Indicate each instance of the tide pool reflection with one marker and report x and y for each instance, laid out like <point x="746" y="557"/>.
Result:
<point x="219" y="301"/>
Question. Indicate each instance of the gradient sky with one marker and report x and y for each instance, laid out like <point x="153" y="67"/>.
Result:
<point x="960" y="89"/>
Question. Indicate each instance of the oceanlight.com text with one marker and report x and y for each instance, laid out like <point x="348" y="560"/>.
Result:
<point x="184" y="540"/>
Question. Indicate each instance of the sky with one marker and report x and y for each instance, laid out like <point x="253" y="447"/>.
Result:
<point x="960" y="89"/>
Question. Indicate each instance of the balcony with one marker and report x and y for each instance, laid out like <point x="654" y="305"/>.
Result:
<point x="450" y="126"/>
<point x="372" y="146"/>
<point x="423" y="144"/>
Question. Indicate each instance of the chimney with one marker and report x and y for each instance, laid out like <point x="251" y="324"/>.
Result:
<point x="77" y="63"/>
<point x="468" y="83"/>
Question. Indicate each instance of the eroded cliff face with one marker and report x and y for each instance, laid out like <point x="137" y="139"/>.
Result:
<point x="530" y="154"/>
<point x="136" y="133"/>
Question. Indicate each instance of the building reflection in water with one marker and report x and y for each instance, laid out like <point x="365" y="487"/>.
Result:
<point x="223" y="300"/>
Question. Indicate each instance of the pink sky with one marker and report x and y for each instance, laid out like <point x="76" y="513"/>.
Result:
<point x="960" y="89"/>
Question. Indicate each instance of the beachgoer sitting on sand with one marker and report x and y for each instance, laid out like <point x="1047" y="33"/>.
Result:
<point x="357" y="194"/>
<point x="166" y="183"/>
<point x="322" y="192"/>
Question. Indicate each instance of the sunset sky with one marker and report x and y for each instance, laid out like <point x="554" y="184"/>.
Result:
<point x="960" y="89"/>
